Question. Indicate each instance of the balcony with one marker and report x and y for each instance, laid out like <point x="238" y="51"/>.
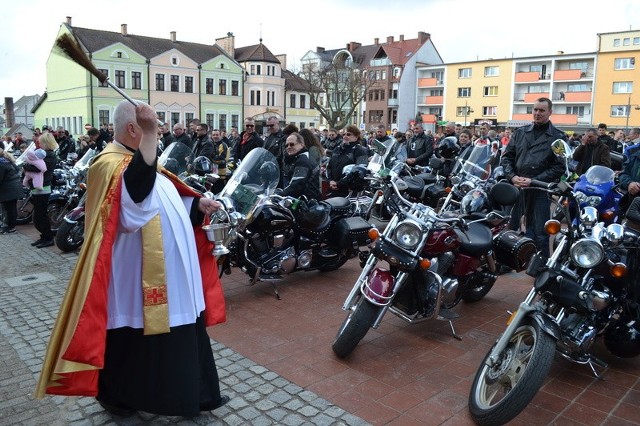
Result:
<point x="434" y="100"/>
<point x="392" y="102"/>
<point x="429" y="82"/>
<point x="561" y="75"/>
<point x="429" y="118"/>
<point x="532" y="97"/>
<point x="522" y="77"/>
<point x="577" y="96"/>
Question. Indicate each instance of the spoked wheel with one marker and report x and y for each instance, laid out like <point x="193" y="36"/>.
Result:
<point x="25" y="211"/>
<point x="501" y="392"/>
<point x="70" y="236"/>
<point x="56" y="212"/>
<point x="355" y="327"/>
<point x="481" y="289"/>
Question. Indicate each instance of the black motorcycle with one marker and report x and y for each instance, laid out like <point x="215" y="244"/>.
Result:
<point x="585" y="290"/>
<point x="269" y="236"/>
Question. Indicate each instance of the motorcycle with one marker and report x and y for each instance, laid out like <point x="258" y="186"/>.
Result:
<point x="434" y="262"/>
<point x="597" y="188"/>
<point x="70" y="234"/>
<point x="269" y="236"/>
<point x="585" y="289"/>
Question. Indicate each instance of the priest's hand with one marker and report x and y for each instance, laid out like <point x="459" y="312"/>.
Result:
<point x="208" y="206"/>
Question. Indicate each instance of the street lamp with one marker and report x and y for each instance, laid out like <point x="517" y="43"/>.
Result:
<point x="467" y="111"/>
<point x="637" y="107"/>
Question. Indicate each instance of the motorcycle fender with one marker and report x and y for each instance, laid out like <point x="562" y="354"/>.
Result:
<point x="74" y="215"/>
<point x="54" y="197"/>
<point x="379" y="286"/>
<point x="548" y="325"/>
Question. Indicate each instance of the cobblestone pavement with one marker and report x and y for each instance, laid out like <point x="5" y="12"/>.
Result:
<point x="32" y="283"/>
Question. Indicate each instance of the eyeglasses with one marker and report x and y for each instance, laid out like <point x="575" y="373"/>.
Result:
<point x="290" y="144"/>
<point x="348" y="134"/>
<point x="249" y="125"/>
<point x="271" y="125"/>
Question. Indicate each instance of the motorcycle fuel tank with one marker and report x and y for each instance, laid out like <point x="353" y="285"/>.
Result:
<point x="271" y="218"/>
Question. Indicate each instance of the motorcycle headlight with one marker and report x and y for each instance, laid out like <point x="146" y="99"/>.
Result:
<point x="594" y="200"/>
<point x="587" y="253"/>
<point x="407" y="235"/>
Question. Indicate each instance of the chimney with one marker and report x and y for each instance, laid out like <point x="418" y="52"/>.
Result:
<point x="401" y="37"/>
<point x="123" y="29"/>
<point x="319" y="49"/>
<point x="283" y="60"/>
<point x="172" y="36"/>
<point x="376" y="41"/>
<point x="353" y="45"/>
<point x="228" y="44"/>
<point x="389" y="39"/>
<point x="560" y="52"/>
<point x="423" y="37"/>
<point x="9" y="113"/>
<point x="69" y="20"/>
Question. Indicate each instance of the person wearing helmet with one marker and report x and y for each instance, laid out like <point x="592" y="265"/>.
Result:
<point x="300" y="175"/>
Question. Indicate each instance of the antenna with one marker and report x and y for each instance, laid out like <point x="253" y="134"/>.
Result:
<point x="260" y="32"/>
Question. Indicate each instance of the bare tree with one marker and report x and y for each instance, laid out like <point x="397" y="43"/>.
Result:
<point x="344" y="87"/>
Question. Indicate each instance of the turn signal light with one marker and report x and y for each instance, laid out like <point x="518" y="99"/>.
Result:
<point x="373" y="234"/>
<point x="424" y="264"/>
<point x="619" y="270"/>
<point x="608" y="215"/>
<point x="447" y="189"/>
<point x="552" y="227"/>
<point x="83" y="186"/>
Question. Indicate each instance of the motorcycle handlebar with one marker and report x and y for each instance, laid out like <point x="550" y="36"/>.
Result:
<point x="540" y="184"/>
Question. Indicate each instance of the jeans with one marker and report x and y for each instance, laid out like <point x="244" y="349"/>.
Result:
<point x="535" y="206"/>
<point x="40" y="217"/>
<point x="10" y="213"/>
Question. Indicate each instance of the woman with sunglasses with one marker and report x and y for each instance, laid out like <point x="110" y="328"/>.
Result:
<point x="350" y="152"/>
<point x="249" y="139"/>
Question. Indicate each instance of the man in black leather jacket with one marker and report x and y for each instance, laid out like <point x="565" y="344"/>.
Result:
<point x="203" y="144"/>
<point x="419" y="148"/>
<point x="301" y="176"/>
<point x="529" y="156"/>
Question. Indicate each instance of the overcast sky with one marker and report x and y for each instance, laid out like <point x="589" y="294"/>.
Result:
<point x="461" y="30"/>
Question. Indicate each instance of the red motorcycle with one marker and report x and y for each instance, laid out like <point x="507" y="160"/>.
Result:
<point x="434" y="261"/>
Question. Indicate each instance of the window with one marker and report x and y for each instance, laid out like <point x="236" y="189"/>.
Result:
<point x="302" y="124"/>
<point x="103" y="116"/>
<point x="234" y="120"/>
<point x="536" y="89"/>
<point x="436" y="92"/>
<point x="616" y="42"/>
<point x="105" y="72"/>
<point x="175" y="118"/>
<point x="376" y="96"/>
<point x="579" y="66"/>
<point x="393" y="94"/>
<point x="188" y="84"/>
<point x="120" y="79"/>
<point x="464" y="92"/>
<point x="209" y="118"/>
<point x="577" y="87"/>
<point x="303" y="101"/>
<point x="491" y="111"/>
<point x="619" y="110"/>
<point x="208" y="86"/>
<point x="377" y="77"/>
<point x="370" y="95"/>
<point x="271" y="70"/>
<point x="575" y="110"/>
<point x="136" y="80"/>
<point x="188" y="116"/>
<point x="384" y="74"/>
<point x="382" y="95"/>
<point x="256" y="69"/>
<point x="235" y="91"/>
<point x="222" y="87"/>
<point x="626" y="41"/>
<point x="292" y="101"/>
<point x="491" y="91"/>
<point x="623" y="87"/>
<point x="491" y="71"/>
<point x="255" y="97"/>
<point x="396" y="74"/>
<point x="464" y="73"/>
<point x="636" y="41"/>
<point x="624" y="64"/>
<point x="253" y="70"/>
<point x="175" y="83"/>
<point x="222" y="122"/>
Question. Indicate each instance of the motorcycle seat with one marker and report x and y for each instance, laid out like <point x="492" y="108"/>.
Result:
<point x="415" y="186"/>
<point x="337" y="205"/>
<point x="475" y="241"/>
<point x="428" y="178"/>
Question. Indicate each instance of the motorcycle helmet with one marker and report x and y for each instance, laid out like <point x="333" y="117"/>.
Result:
<point x="475" y="201"/>
<point x="353" y="175"/>
<point x="622" y="338"/>
<point x="268" y="172"/>
<point x="202" y="165"/>
<point x="448" y="148"/>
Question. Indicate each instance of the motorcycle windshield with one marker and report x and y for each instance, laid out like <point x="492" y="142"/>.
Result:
<point x="23" y="157"/>
<point x="477" y="164"/>
<point x="256" y="177"/>
<point x="597" y="175"/>
<point x="83" y="163"/>
<point x="177" y="158"/>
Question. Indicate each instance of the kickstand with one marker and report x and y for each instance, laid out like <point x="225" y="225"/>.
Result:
<point x="591" y="363"/>
<point x="453" y="331"/>
<point x="275" y="289"/>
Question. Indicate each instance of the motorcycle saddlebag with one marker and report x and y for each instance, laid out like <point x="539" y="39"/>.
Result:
<point x="349" y="230"/>
<point x="513" y="249"/>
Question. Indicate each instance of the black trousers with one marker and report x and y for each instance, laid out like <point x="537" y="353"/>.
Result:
<point x="40" y="217"/>
<point x="172" y="374"/>
<point x="10" y="213"/>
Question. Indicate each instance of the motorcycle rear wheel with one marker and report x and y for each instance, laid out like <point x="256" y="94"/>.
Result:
<point x="355" y="327"/>
<point x="70" y="236"/>
<point x="25" y="212"/>
<point x="500" y="393"/>
<point x="56" y="212"/>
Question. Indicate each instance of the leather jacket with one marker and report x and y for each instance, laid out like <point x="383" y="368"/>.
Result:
<point x="301" y="176"/>
<point x="533" y="158"/>
<point x="420" y="147"/>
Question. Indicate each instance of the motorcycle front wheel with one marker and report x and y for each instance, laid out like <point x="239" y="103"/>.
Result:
<point x="70" y="236"/>
<point x="56" y="212"/>
<point x="355" y="327"/>
<point x="501" y="392"/>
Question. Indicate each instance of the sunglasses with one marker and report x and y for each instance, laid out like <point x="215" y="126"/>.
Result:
<point x="249" y="125"/>
<point x="290" y="144"/>
<point x="348" y="134"/>
<point x="270" y="125"/>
